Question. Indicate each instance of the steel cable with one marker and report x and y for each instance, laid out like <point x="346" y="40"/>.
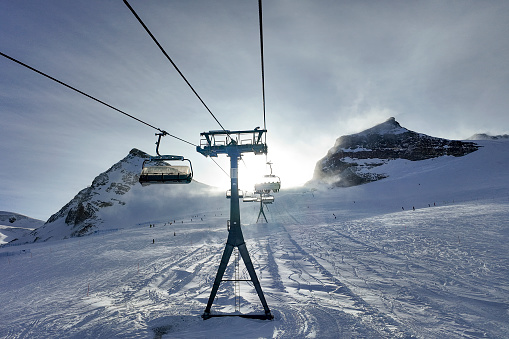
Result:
<point x="171" y="61"/>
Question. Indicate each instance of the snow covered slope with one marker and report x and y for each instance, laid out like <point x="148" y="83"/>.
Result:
<point x="14" y="225"/>
<point x="356" y="262"/>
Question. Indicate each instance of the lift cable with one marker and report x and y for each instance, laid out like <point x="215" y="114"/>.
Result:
<point x="220" y="167"/>
<point x="93" y="98"/>
<point x="102" y="102"/>
<point x="262" y="61"/>
<point x="171" y="61"/>
<point x="260" y="16"/>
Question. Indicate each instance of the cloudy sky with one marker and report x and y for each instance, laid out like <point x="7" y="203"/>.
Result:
<point x="331" y="67"/>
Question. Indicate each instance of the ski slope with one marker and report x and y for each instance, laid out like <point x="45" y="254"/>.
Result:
<point x="333" y="263"/>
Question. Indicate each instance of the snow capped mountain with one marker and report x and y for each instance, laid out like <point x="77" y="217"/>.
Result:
<point x="354" y="158"/>
<point x="14" y="225"/>
<point x="18" y="220"/>
<point x="115" y="199"/>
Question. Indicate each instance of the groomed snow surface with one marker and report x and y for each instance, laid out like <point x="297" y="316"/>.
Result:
<point x="354" y="262"/>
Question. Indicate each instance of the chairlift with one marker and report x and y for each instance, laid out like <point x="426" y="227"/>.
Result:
<point x="229" y="194"/>
<point x="265" y="198"/>
<point x="269" y="183"/>
<point x="163" y="173"/>
<point x="249" y="197"/>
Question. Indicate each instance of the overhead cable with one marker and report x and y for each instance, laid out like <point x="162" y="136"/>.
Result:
<point x="93" y="98"/>
<point x="220" y="167"/>
<point x="260" y="14"/>
<point x="102" y="102"/>
<point x="171" y="61"/>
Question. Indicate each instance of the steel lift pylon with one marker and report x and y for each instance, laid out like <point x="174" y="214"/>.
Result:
<point x="263" y="203"/>
<point x="261" y="211"/>
<point x="234" y="143"/>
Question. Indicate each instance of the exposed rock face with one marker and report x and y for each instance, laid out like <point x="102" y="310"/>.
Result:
<point x="80" y="214"/>
<point x="349" y="162"/>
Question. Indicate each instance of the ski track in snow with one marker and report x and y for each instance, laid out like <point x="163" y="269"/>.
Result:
<point x="401" y="264"/>
<point x="434" y="272"/>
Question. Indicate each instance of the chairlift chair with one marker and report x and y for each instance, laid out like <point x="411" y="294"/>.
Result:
<point x="269" y="183"/>
<point x="265" y="198"/>
<point x="229" y="194"/>
<point x="249" y="197"/>
<point x="162" y="172"/>
<point x="166" y="174"/>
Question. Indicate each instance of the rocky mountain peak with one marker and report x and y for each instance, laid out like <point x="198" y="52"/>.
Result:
<point x="80" y="215"/>
<point x="351" y="160"/>
<point x="390" y="126"/>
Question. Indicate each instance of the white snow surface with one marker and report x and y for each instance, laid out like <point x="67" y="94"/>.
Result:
<point x="14" y="225"/>
<point x="354" y="262"/>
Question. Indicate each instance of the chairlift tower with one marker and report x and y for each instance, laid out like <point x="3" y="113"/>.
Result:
<point x="234" y="143"/>
<point x="265" y="199"/>
<point x="261" y="213"/>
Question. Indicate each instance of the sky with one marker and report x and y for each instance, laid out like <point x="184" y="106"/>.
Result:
<point x="331" y="68"/>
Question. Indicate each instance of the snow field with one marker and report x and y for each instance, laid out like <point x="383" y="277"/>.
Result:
<point x="399" y="274"/>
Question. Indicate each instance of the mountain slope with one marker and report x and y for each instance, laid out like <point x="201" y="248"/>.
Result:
<point x="18" y="220"/>
<point x="14" y="225"/>
<point x="352" y="159"/>
<point x="116" y="199"/>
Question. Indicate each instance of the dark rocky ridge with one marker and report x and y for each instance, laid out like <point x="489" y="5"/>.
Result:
<point x="348" y="163"/>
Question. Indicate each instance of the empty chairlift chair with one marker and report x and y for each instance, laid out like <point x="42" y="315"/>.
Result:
<point x="249" y="197"/>
<point x="156" y="171"/>
<point x="265" y="199"/>
<point x="270" y="182"/>
<point x="229" y="194"/>
<point x="163" y="173"/>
